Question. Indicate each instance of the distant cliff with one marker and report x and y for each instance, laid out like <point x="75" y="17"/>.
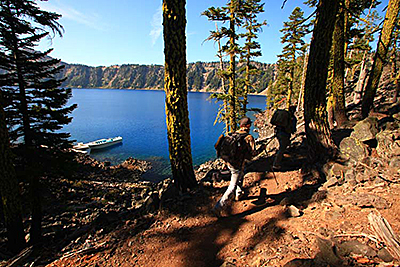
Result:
<point x="201" y="76"/>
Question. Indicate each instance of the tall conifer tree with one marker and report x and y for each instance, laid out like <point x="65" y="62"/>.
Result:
<point x="294" y="32"/>
<point x="232" y="14"/>
<point x="319" y="138"/>
<point x="176" y="106"/>
<point x="380" y="56"/>
<point x="36" y="109"/>
<point x="251" y="48"/>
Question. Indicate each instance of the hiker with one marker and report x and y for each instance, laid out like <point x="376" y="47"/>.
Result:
<point x="236" y="166"/>
<point x="285" y="124"/>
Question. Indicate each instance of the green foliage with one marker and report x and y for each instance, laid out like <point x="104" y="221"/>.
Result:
<point x="290" y="63"/>
<point x="36" y="107"/>
<point x="241" y="15"/>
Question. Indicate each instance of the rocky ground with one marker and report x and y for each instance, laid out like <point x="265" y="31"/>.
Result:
<point x="344" y="213"/>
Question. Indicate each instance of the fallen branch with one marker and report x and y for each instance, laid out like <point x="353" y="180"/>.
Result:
<point x="370" y="237"/>
<point x="84" y="251"/>
<point x="20" y="258"/>
<point x="385" y="233"/>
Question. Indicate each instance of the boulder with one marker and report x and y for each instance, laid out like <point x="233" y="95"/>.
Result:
<point x="385" y="143"/>
<point x="292" y="211"/>
<point x="366" y="129"/>
<point x="352" y="148"/>
<point x="395" y="163"/>
<point x="355" y="247"/>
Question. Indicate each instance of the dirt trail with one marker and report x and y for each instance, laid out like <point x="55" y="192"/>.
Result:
<point x="200" y="239"/>
<point x="260" y="230"/>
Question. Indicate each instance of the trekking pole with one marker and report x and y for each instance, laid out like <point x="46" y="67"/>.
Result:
<point x="273" y="174"/>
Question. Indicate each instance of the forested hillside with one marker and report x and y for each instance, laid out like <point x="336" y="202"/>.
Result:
<point x="201" y="76"/>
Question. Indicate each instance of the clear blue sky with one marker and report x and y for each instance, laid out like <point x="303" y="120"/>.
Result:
<point x="104" y="32"/>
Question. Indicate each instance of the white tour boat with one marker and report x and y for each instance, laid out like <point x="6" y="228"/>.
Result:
<point x="105" y="142"/>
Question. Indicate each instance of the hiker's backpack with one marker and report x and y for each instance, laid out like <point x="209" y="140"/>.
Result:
<point x="232" y="148"/>
<point x="283" y="119"/>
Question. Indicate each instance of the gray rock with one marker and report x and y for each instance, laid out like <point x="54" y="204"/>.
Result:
<point x="331" y="182"/>
<point x="355" y="247"/>
<point x="395" y="163"/>
<point x="385" y="143"/>
<point x="366" y="129"/>
<point x="370" y="201"/>
<point x="384" y="255"/>
<point x="351" y="148"/>
<point x="350" y="177"/>
<point x="293" y="211"/>
<point x="327" y="254"/>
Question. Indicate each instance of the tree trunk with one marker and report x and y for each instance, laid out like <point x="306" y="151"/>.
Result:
<point x="361" y="80"/>
<point x="232" y="75"/>
<point x="290" y="91"/>
<point x="303" y="79"/>
<point x="36" y="207"/>
<point x="338" y="98"/>
<point x="176" y="105"/>
<point x="320" y="143"/>
<point x="380" y="57"/>
<point x="246" y="83"/>
<point x="225" y="103"/>
<point x="9" y="189"/>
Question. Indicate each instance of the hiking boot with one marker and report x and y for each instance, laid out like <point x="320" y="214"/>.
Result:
<point x="217" y="211"/>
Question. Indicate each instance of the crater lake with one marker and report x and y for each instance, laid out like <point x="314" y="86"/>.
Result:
<point x="139" y="117"/>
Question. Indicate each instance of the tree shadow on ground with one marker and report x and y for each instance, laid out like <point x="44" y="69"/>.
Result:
<point x="204" y="242"/>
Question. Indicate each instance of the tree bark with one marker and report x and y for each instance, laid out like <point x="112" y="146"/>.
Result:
<point x="380" y="57"/>
<point x="10" y="195"/>
<point x="320" y="143"/>
<point x="338" y="98"/>
<point x="232" y="75"/>
<point x="176" y="105"/>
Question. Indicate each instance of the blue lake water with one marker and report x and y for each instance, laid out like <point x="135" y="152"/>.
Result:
<point x="139" y="117"/>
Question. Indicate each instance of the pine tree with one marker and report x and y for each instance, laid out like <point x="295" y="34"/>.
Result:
<point x="319" y="138"/>
<point x="36" y="107"/>
<point x="380" y="56"/>
<point x="232" y="14"/>
<point x="251" y="48"/>
<point x="176" y="106"/>
<point x="294" y="32"/>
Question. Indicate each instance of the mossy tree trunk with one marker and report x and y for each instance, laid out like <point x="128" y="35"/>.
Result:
<point x="10" y="195"/>
<point x="338" y="52"/>
<point x="232" y="74"/>
<point x="290" y="89"/>
<point x="176" y="105"/>
<point x="380" y="57"/>
<point x="320" y="143"/>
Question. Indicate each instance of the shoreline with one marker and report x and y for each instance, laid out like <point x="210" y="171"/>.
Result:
<point x="154" y="89"/>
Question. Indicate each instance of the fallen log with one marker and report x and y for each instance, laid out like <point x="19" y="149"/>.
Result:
<point x="385" y="233"/>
